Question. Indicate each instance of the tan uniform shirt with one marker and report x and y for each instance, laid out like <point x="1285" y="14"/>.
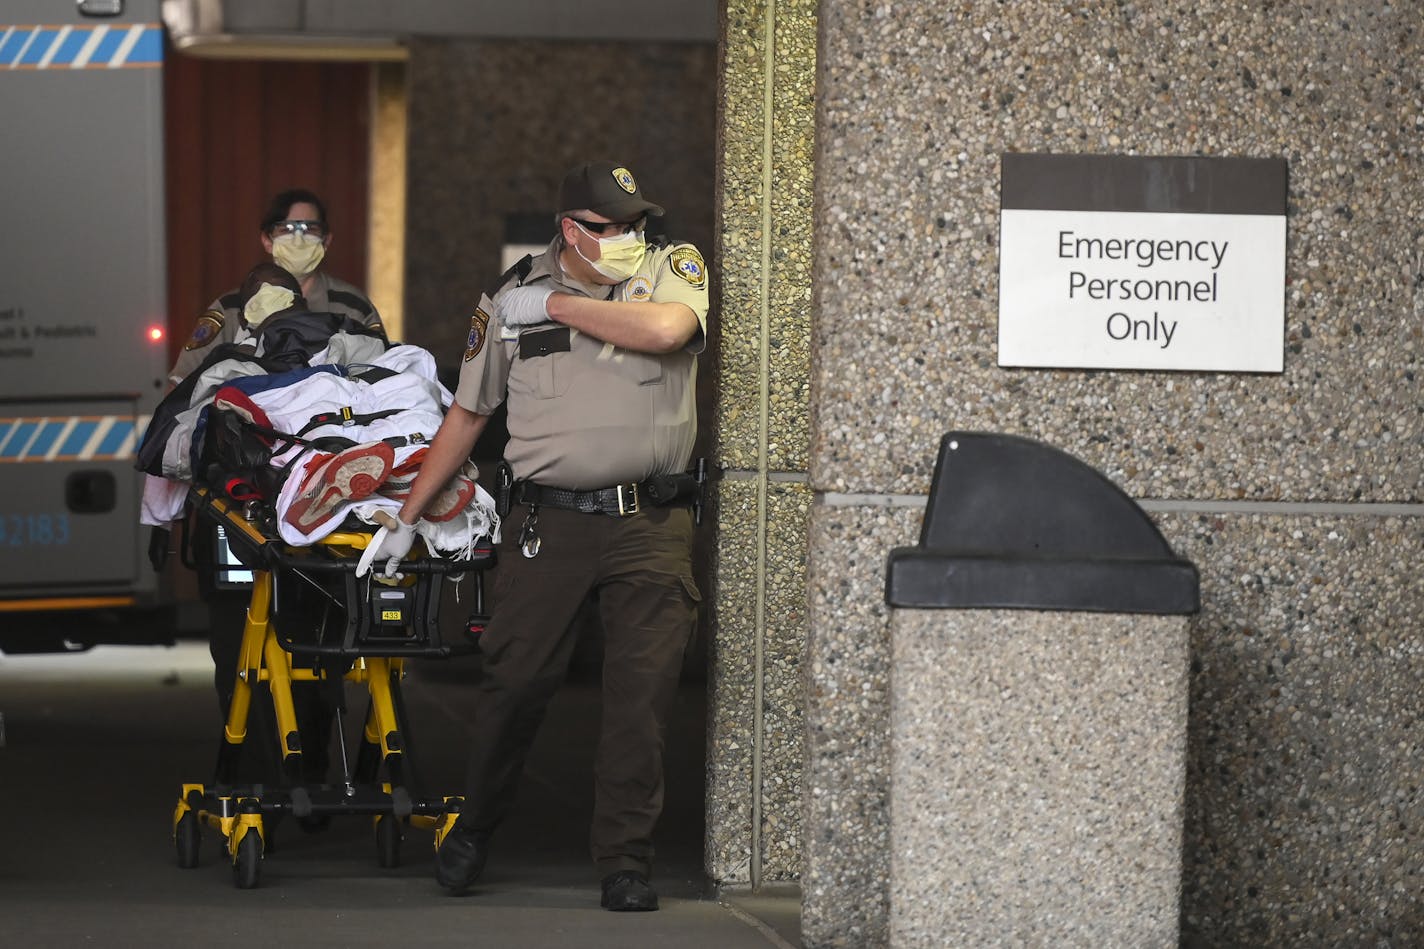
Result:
<point x="223" y="318"/>
<point x="584" y="414"/>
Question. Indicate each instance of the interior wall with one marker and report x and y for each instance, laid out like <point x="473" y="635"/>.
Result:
<point x="493" y="126"/>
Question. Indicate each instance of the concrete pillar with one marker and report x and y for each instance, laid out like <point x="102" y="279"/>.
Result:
<point x="761" y="282"/>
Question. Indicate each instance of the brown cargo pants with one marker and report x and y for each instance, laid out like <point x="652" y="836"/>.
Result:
<point x="641" y="569"/>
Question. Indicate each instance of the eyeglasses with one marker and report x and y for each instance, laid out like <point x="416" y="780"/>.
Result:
<point x="603" y="227"/>
<point x="314" y="228"/>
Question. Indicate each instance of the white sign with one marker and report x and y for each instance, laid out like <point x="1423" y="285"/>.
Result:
<point x="1142" y="290"/>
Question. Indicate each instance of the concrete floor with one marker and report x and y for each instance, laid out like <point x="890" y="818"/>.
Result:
<point x="96" y="745"/>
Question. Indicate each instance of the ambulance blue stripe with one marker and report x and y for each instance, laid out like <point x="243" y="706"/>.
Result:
<point x="38" y="48"/>
<point x="18" y="439"/>
<point x="32" y="439"/>
<point x="149" y="48"/>
<point x="48" y="435"/>
<point x="34" y="47"/>
<point x="13" y="45"/>
<point x="114" y="440"/>
<point x="108" y="46"/>
<point x="78" y="437"/>
<point x="72" y="45"/>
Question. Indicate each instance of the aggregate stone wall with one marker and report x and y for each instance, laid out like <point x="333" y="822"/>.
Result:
<point x="1298" y="495"/>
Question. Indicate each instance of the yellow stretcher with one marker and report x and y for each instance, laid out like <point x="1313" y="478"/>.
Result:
<point x="367" y="631"/>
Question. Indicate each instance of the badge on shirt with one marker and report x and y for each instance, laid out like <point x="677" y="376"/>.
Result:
<point x="479" y="326"/>
<point x="638" y="290"/>
<point x="209" y="325"/>
<point x="687" y="264"/>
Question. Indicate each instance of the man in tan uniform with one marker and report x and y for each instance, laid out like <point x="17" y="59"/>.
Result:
<point x="593" y="346"/>
<point x="295" y="233"/>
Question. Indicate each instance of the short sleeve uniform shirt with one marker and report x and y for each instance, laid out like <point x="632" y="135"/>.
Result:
<point x="585" y="414"/>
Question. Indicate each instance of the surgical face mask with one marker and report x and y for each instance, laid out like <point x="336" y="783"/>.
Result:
<point x="298" y="254"/>
<point x="266" y="301"/>
<point x="619" y="257"/>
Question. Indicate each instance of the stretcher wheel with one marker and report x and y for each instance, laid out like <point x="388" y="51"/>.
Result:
<point x="186" y="837"/>
<point x="247" y="864"/>
<point x="388" y="841"/>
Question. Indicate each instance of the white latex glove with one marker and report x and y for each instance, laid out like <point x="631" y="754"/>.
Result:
<point x="525" y="306"/>
<point x="391" y="543"/>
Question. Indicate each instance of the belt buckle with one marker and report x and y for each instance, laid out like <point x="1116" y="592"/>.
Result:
<point x="630" y="505"/>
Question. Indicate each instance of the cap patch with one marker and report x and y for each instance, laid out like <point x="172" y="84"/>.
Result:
<point x="624" y="177"/>
<point x="687" y="264"/>
<point x="638" y="289"/>
<point x="209" y="325"/>
<point x="479" y="324"/>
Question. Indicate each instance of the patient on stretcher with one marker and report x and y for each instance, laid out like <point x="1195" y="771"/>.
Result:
<point x="314" y="415"/>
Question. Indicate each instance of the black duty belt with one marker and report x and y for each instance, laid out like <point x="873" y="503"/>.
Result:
<point x="621" y="500"/>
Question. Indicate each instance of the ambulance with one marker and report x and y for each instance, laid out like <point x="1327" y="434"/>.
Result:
<point x="83" y="322"/>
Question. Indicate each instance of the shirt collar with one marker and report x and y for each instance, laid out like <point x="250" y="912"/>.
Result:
<point x="548" y="266"/>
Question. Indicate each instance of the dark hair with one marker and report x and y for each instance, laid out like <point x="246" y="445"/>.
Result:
<point x="282" y="202"/>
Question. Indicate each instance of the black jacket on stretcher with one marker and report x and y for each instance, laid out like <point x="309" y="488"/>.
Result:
<point x="286" y="342"/>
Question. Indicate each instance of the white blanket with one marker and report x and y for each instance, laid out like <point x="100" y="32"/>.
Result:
<point x="414" y="392"/>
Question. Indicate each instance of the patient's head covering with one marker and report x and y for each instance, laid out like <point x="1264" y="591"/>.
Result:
<point x="266" y="291"/>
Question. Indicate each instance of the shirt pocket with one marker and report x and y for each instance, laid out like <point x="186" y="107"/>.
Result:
<point x="552" y="373"/>
<point x="644" y="369"/>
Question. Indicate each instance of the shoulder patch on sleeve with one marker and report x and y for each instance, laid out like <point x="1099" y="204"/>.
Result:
<point x="479" y="331"/>
<point x="207" y="329"/>
<point x="687" y="263"/>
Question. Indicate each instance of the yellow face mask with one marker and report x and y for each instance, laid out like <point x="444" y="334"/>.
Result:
<point x="618" y="257"/>
<point x="266" y="301"/>
<point x="298" y="254"/>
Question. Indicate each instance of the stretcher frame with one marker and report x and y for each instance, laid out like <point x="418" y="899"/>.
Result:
<point x="370" y="650"/>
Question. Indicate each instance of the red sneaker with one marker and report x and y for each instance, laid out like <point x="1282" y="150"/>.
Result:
<point x="445" y="506"/>
<point x="348" y="475"/>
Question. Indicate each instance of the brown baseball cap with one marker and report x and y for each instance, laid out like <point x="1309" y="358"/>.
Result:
<point x="606" y="188"/>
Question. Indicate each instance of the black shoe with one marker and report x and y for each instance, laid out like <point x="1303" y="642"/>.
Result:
<point x="460" y="859"/>
<point x="627" y="891"/>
